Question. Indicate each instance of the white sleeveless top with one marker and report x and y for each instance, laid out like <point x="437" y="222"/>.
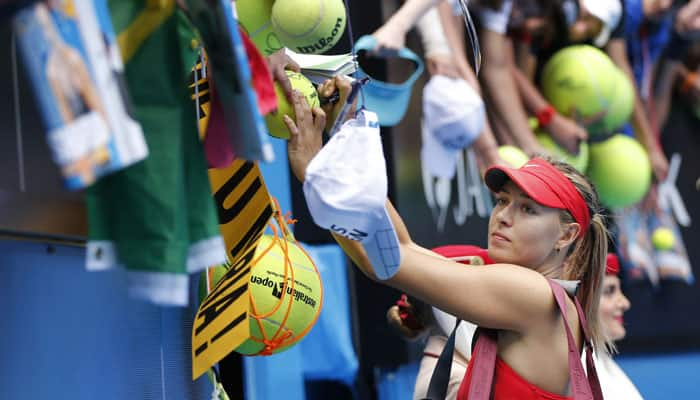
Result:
<point x="613" y="380"/>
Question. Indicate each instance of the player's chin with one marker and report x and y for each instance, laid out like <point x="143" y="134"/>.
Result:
<point x="619" y="332"/>
<point x="500" y="253"/>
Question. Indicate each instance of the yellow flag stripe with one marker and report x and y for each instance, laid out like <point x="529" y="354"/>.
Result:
<point x="152" y="16"/>
<point x="244" y="207"/>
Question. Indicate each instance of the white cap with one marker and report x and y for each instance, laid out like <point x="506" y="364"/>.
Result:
<point x="453" y="117"/>
<point x="346" y="191"/>
<point x="609" y="12"/>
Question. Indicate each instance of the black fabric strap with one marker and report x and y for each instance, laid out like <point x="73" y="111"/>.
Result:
<point x="437" y="389"/>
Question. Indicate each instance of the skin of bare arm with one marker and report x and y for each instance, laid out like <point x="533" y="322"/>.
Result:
<point x="565" y="131"/>
<point x="617" y="51"/>
<point x="525" y="60"/>
<point x="498" y="81"/>
<point x="485" y="145"/>
<point x="505" y="296"/>
<point x="669" y="71"/>
<point x="688" y="18"/>
<point x="502" y="296"/>
<point x="514" y="299"/>
<point x="392" y="35"/>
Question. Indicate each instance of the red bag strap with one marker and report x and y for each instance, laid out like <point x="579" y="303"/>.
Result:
<point x="582" y="388"/>
<point x="486" y="349"/>
<point x="590" y="365"/>
<point x="484" y="365"/>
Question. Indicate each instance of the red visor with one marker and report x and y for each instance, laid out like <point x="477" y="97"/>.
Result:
<point x="463" y="253"/>
<point x="612" y="264"/>
<point x="544" y="184"/>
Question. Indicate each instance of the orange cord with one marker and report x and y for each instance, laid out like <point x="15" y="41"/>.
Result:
<point x="281" y="236"/>
<point x="280" y="338"/>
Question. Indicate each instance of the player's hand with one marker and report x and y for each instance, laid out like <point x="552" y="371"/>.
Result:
<point x="389" y="37"/>
<point x="305" y="139"/>
<point x="342" y="85"/>
<point x="278" y="62"/>
<point x="659" y="163"/>
<point x="567" y="133"/>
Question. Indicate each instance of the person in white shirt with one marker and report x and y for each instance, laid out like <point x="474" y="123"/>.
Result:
<point x="613" y="305"/>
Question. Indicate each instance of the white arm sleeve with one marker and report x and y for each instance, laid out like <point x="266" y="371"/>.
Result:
<point x="430" y="28"/>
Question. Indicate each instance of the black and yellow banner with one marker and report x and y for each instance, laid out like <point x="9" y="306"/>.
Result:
<point x="244" y="207"/>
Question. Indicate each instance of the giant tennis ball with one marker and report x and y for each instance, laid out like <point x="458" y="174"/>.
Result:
<point x="621" y="105"/>
<point x="579" y="81"/>
<point x="578" y="161"/>
<point x="663" y="239"/>
<point x="254" y="18"/>
<point x="309" y="26"/>
<point x="620" y="169"/>
<point x="214" y="275"/>
<point x="285" y="297"/>
<point x="275" y="122"/>
<point x="513" y="156"/>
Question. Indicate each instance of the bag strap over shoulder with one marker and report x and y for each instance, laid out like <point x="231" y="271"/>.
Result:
<point x="440" y="380"/>
<point x="590" y="365"/>
<point x="582" y="388"/>
<point x="483" y="364"/>
<point x="486" y="349"/>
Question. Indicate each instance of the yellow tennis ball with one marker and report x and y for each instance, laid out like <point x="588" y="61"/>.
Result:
<point x="663" y="239"/>
<point x="275" y="122"/>
<point x="620" y="169"/>
<point x="621" y="105"/>
<point x="580" y="81"/>
<point x="285" y="297"/>
<point x="254" y="18"/>
<point x="513" y="156"/>
<point x="309" y="26"/>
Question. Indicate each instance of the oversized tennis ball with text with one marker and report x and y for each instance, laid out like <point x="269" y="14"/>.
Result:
<point x="254" y="18"/>
<point x="285" y="297"/>
<point x="579" y="81"/>
<point x="214" y="275"/>
<point x="513" y="156"/>
<point x="275" y="122"/>
<point x="620" y="169"/>
<point x="621" y="105"/>
<point x="578" y="161"/>
<point x="663" y="239"/>
<point x="309" y="26"/>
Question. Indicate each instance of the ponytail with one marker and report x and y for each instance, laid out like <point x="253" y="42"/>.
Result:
<point x="587" y="264"/>
<point x="586" y="259"/>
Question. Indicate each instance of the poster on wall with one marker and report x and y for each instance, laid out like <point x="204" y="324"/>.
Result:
<point x="33" y="200"/>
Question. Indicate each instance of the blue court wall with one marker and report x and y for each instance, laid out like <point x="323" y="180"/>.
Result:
<point x="72" y="334"/>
